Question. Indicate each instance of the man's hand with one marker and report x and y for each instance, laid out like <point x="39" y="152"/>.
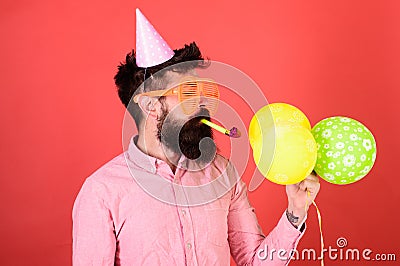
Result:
<point x="298" y="198"/>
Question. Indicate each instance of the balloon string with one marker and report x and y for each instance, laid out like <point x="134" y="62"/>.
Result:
<point x="320" y="225"/>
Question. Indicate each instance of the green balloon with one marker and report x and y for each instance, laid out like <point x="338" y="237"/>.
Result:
<point x="346" y="150"/>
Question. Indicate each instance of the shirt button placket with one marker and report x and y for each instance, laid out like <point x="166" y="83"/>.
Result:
<point x="187" y="235"/>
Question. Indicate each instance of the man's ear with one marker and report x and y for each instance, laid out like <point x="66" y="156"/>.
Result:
<point x="147" y="104"/>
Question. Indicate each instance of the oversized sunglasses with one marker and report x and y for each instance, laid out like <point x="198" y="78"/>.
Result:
<point x="189" y="92"/>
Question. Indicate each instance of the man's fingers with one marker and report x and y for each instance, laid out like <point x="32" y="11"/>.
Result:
<point x="312" y="177"/>
<point x="310" y="184"/>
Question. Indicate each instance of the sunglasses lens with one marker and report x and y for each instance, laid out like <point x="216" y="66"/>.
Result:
<point x="211" y="92"/>
<point x="189" y="96"/>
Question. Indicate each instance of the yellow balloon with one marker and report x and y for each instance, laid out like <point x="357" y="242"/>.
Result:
<point x="273" y="114"/>
<point x="288" y="155"/>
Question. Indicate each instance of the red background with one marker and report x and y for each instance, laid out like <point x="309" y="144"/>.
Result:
<point x="61" y="118"/>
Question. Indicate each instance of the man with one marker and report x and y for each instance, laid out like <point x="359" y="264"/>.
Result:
<point x="157" y="203"/>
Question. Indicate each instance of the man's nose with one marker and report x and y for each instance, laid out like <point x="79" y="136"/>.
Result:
<point x="203" y="101"/>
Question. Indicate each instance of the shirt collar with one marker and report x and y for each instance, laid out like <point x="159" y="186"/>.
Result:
<point x="146" y="161"/>
<point x="141" y="159"/>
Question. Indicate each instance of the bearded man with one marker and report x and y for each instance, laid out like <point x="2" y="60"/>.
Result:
<point x="170" y="198"/>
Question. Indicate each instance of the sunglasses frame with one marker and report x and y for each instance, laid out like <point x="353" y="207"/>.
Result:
<point x="157" y="93"/>
<point x="175" y="90"/>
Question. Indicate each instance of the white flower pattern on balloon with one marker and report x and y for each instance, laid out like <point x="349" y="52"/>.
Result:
<point x="349" y="160"/>
<point x="297" y="117"/>
<point x="281" y="178"/>
<point x="350" y="148"/>
<point x="339" y="145"/>
<point x="311" y="145"/>
<point x="329" y="176"/>
<point x="347" y="150"/>
<point x="367" y="144"/>
<point x="365" y="170"/>
<point x="275" y="108"/>
<point x="331" y="165"/>
<point x="354" y="137"/>
<point x="326" y="133"/>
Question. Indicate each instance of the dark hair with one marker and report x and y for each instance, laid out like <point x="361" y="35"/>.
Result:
<point x="129" y="76"/>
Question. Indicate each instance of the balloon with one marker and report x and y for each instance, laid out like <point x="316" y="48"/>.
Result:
<point x="288" y="155"/>
<point x="346" y="150"/>
<point x="273" y="114"/>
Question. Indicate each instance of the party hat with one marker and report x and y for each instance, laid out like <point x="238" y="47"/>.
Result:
<point x="151" y="49"/>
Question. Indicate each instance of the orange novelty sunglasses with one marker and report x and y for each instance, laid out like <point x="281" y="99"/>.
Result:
<point x="189" y="92"/>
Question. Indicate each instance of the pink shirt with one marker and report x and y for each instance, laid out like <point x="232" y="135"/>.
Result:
<point x="135" y="211"/>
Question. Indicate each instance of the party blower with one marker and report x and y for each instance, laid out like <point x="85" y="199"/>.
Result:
<point x="233" y="132"/>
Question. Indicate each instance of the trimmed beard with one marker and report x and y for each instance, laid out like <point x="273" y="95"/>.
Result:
<point x="193" y="139"/>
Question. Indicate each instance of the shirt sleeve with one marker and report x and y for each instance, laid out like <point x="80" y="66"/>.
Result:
<point x="248" y="244"/>
<point x="94" y="241"/>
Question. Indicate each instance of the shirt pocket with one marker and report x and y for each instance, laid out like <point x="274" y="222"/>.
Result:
<point x="217" y="222"/>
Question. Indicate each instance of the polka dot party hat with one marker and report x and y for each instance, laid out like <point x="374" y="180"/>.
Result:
<point x="151" y="49"/>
